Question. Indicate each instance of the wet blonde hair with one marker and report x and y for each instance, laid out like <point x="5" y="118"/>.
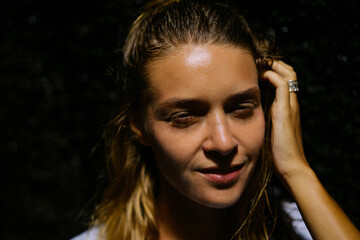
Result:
<point x="127" y="210"/>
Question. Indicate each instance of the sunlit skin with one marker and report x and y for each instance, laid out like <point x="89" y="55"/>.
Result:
<point x="206" y="114"/>
<point x="205" y="124"/>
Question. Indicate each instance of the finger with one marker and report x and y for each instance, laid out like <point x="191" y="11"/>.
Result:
<point x="294" y="101"/>
<point x="284" y="70"/>
<point x="280" y="75"/>
<point x="287" y="73"/>
<point x="282" y="89"/>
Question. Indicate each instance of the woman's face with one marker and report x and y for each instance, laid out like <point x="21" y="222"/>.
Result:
<point x="204" y="122"/>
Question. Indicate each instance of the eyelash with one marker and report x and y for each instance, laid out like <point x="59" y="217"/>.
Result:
<point x="182" y="119"/>
<point x="244" y="111"/>
<point x="186" y="119"/>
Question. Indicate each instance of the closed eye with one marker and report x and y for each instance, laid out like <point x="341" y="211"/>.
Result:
<point x="243" y="104"/>
<point x="183" y="119"/>
<point x="243" y="111"/>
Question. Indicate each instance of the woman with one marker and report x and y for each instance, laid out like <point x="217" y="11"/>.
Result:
<point x="194" y="143"/>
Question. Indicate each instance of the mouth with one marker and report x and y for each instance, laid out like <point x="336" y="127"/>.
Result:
<point x="222" y="176"/>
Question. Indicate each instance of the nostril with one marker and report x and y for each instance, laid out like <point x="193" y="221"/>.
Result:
<point x="220" y="156"/>
<point x="224" y="146"/>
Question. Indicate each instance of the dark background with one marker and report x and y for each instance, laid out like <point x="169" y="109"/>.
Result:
<point x="56" y="98"/>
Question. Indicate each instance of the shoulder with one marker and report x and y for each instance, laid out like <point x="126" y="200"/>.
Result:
<point x="91" y="234"/>
<point x="298" y="223"/>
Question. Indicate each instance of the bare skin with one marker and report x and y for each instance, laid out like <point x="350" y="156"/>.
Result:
<point x="191" y="206"/>
<point x="181" y="218"/>
<point x="322" y="215"/>
<point x="206" y="118"/>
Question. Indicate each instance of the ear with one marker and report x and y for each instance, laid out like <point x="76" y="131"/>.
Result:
<point x="137" y="127"/>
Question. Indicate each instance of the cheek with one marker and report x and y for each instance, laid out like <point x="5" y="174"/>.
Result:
<point x="174" y="156"/>
<point x="173" y="149"/>
<point x="259" y="132"/>
<point x="252" y="135"/>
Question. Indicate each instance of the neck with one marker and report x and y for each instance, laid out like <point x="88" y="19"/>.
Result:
<point x="181" y="218"/>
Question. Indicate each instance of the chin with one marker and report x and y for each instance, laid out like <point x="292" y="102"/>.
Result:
<point x="221" y="199"/>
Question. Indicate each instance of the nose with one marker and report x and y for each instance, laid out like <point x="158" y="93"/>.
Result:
<point x="219" y="136"/>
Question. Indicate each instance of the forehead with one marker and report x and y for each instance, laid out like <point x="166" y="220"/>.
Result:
<point x="202" y="71"/>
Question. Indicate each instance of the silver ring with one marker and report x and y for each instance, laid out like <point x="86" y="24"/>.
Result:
<point x="293" y="86"/>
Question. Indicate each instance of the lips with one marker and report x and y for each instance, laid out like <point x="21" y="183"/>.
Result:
<point x="222" y="176"/>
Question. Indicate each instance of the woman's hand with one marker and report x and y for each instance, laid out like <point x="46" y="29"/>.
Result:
<point x="323" y="217"/>
<point x="286" y="139"/>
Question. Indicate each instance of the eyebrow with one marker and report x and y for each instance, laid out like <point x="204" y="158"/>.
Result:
<point x="184" y="103"/>
<point x="251" y="93"/>
<point x="179" y="103"/>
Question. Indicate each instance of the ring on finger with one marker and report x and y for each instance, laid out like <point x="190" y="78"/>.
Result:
<point x="293" y="85"/>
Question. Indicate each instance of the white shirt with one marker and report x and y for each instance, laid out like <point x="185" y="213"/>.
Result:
<point x="297" y="222"/>
<point x="91" y="234"/>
